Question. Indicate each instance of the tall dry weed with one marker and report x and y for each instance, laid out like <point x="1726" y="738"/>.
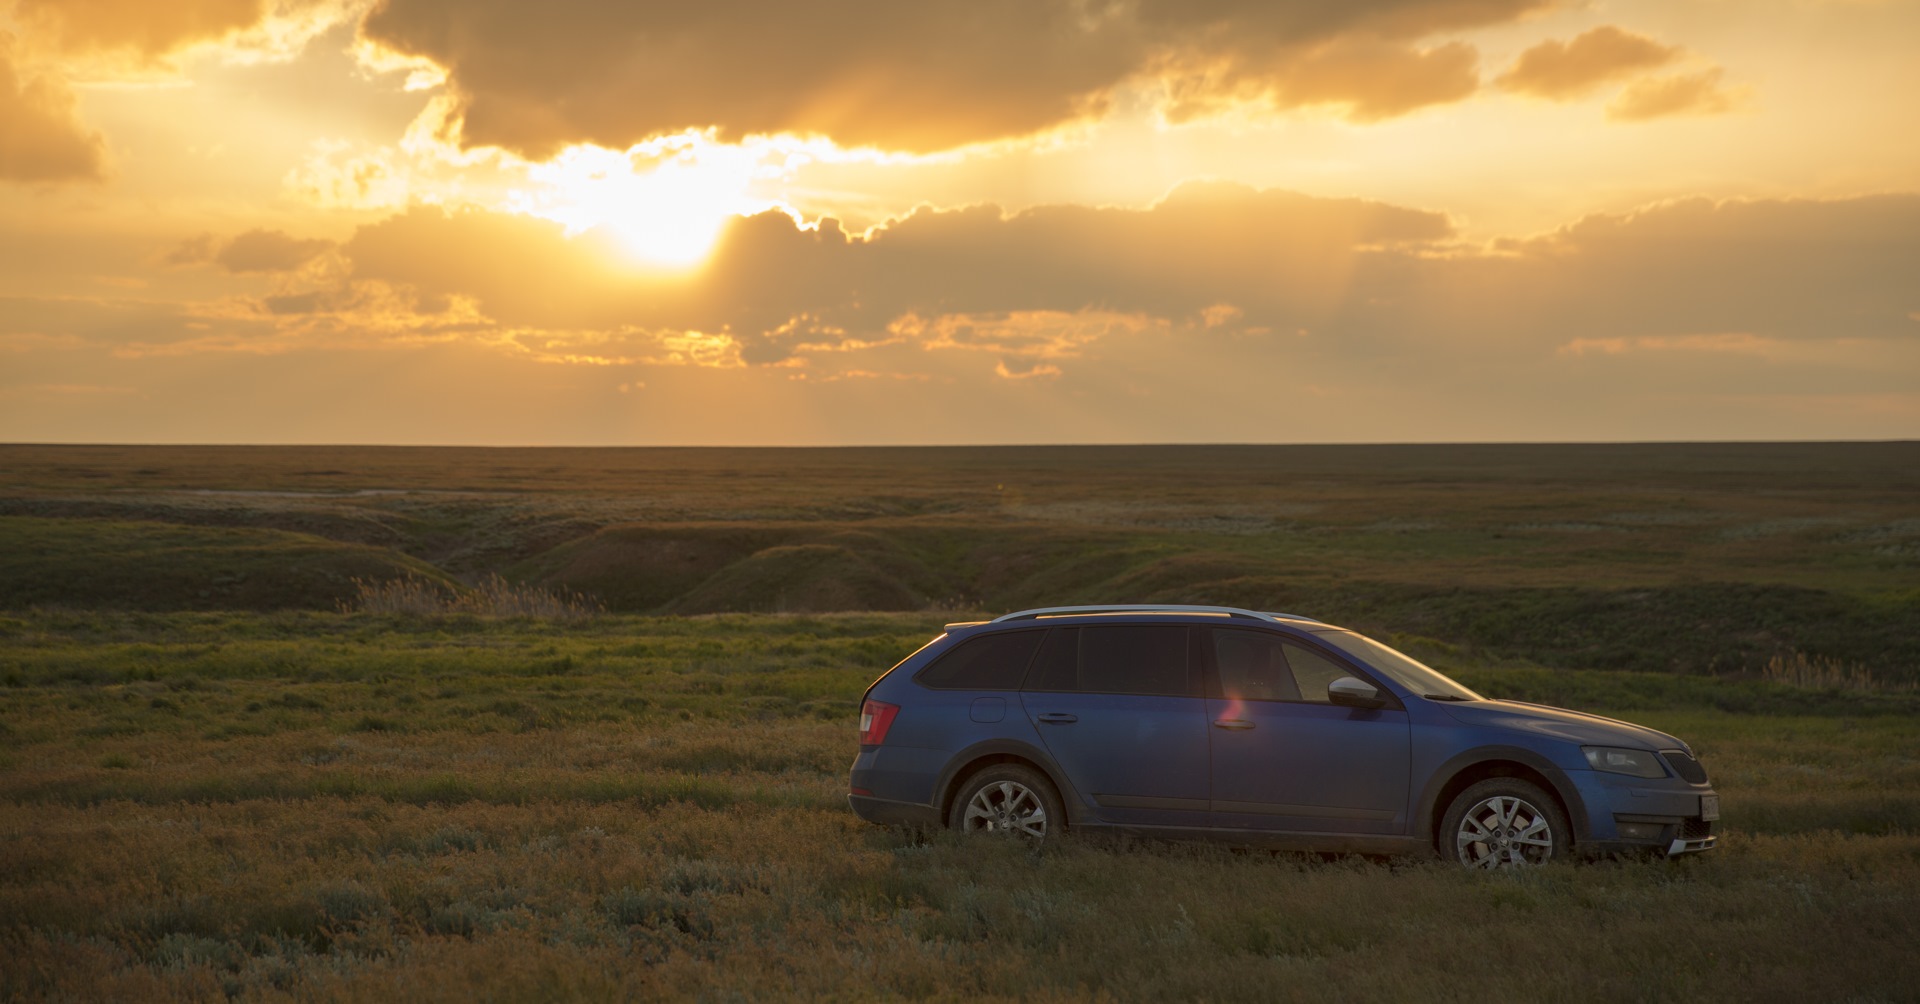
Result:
<point x="493" y="597"/>
<point x="1820" y="673"/>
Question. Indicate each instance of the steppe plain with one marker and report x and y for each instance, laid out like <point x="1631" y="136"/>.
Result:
<point x="232" y="766"/>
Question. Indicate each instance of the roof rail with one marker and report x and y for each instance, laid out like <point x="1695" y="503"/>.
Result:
<point x="1147" y="608"/>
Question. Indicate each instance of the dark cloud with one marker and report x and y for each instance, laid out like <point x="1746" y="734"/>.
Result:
<point x="1279" y="256"/>
<point x="1048" y="282"/>
<point x="1377" y="80"/>
<point x="115" y="322"/>
<point x="40" y="138"/>
<point x="257" y="250"/>
<point x="920" y="76"/>
<point x="268" y="251"/>
<point x="1698" y="93"/>
<point x="1370" y="78"/>
<point x="1565" y="70"/>
<point x="1777" y="268"/>
<point x="196" y="250"/>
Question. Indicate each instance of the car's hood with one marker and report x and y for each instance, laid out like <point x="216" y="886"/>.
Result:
<point x="1560" y="723"/>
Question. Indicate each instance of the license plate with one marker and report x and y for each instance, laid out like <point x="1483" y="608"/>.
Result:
<point x="1709" y="807"/>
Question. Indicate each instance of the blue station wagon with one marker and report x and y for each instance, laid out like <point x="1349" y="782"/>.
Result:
<point x="1261" y="729"/>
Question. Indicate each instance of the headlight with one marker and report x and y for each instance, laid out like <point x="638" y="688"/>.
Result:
<point x="1639" y="763"/>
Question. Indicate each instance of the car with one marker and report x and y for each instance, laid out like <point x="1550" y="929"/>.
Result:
<point x="1263" y="729"/>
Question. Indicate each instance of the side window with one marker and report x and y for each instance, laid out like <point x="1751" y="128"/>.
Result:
<point x="990" y="662"/>
<point x="1312" y="672"/>
<point x="1257" y="666"/>
<point x="1057" y="667"/>
<point x="1135" y="659"/>
<point x="1253" y="666"/>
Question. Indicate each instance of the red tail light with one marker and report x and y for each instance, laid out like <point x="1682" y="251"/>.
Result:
<point x="876" y="717"/>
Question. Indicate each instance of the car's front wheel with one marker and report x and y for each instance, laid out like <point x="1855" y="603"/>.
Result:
<point x="1008" y="799"/>
<point x="1504" y="822"/>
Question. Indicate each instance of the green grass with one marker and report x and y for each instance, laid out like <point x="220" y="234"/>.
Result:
<point x="164" y="566"/>
<point x="353" y="806"/>
<point x="198" y="801"/>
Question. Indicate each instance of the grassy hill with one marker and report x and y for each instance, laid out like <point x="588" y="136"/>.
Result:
<point x="113" y="564"/>
<point x="1698" y="557"/>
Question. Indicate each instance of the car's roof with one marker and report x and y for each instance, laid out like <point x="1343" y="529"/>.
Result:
<point x="1137" y="611"/>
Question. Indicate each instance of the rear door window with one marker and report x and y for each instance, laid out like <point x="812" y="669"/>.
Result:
<point x="989" y="662"/>
<point x="1150" y="659"/>
<point x="1056" y="668"/>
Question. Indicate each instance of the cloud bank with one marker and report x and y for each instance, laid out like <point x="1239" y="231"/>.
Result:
<point x="1034" y="291"/>
<point x="1221" y="312"/>
<point x="919" y="77"/>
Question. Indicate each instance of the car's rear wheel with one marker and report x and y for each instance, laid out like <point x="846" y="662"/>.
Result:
<point x="1504" y="822"/>
<point x="1008" y="799"/>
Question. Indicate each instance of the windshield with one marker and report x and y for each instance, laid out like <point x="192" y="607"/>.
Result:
<point x="1405" y="670"/>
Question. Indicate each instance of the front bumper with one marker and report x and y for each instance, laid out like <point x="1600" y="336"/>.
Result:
<point x="1682" y="845"/>
<point x="1629" y="815"/>
<point x="1667" y="836"/>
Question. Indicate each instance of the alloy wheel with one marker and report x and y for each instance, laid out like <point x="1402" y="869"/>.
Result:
<point x="1504" y="832"/>
<point x="1006" y="807"/>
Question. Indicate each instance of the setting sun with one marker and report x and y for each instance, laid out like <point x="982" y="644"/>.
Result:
<point x="666" y="206"/>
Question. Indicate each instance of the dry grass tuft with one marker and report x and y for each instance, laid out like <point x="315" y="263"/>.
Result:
<point x="1819" y="673"/>
<point x="493" y="597"/>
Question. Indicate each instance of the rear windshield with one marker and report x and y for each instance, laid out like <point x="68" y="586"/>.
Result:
<point x="989" y="662"/>
<point x="1409" y="672"/>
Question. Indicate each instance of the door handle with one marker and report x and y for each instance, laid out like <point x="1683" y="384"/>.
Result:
<point x="1232" y="723"/>
<point x="1059" y="718"/>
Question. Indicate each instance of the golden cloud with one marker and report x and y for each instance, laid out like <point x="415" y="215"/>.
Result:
<point x="143" y="35"/>
<point x="1698" y="93"/>
<point x="1731" y="342"/>
<point x="41" y="139"/>
<point x="1368" y="78"/>
<point x="1039" y="370"/>
<point x="254" y="251"/>
<point x="268" y="251"/>
<point x="1562" y="71"/>
<point x="149" y="28"/>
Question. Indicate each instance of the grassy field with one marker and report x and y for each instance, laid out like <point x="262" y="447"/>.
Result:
<point x="225" y="773"/>
<point x="1709" y="558"/>
<point x="321" y="805"/>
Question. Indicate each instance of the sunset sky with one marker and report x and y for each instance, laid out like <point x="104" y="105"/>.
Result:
<point x="989" y="221"/>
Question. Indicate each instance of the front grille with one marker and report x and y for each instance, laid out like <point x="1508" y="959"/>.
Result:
<point x="1685" y="765"/>
<point x="1694" y="829"/>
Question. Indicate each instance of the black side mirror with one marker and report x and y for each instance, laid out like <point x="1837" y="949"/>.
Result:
<point x="1355" y="693"/>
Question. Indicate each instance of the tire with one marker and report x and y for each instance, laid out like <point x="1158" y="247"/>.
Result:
<point x="1504" y="822"/>
<point x="1008" y="799"/>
